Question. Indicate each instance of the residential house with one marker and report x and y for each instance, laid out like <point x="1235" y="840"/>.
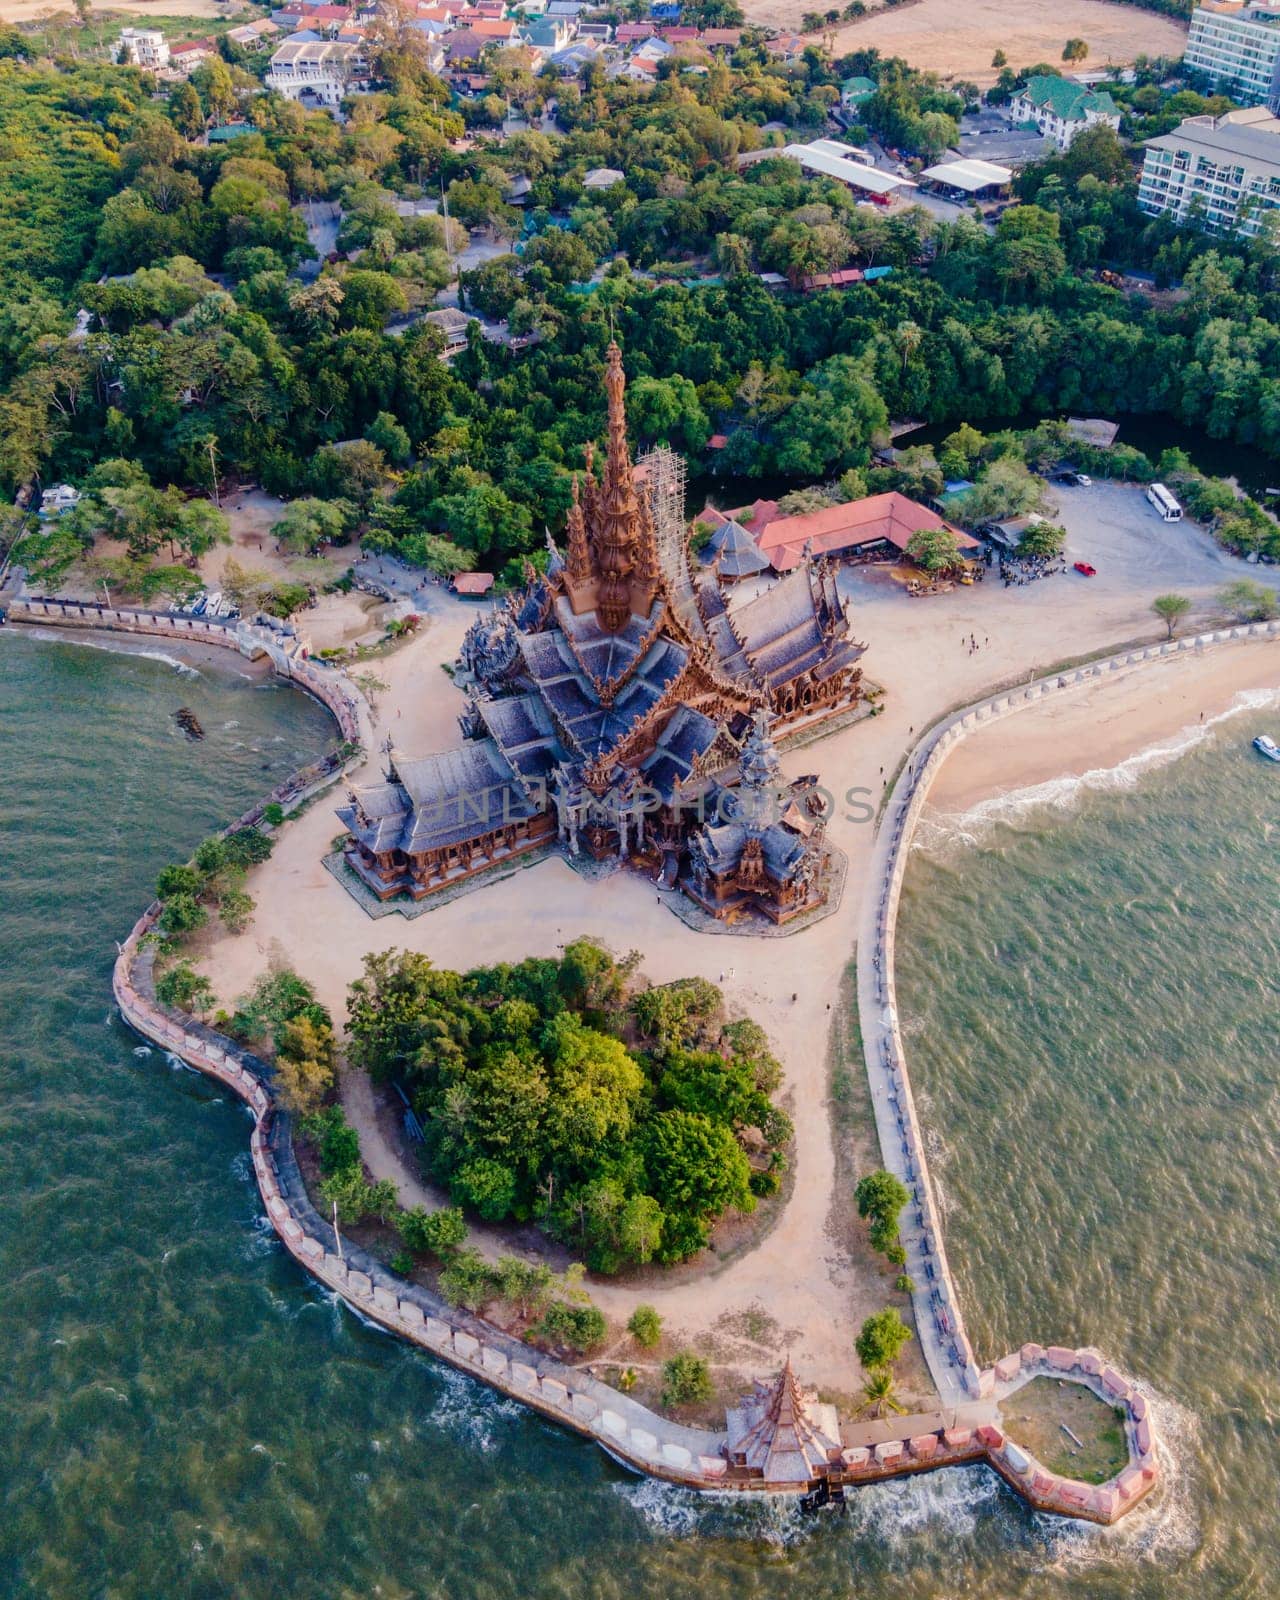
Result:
<point x="1237" y="49"/>
<point x="603" y="178"/>
<point x="320" y="71"/>
<point x="853" y="91"/>
<point x="453" y="324"/>
<point x="143" y="47"/>
<point x="877" y="525"/>
<point x="548" y="34"/>
<point x="254" y="35"/>
<point x="789" y="48"/>
<point x="1061" y="109"/>
<point x="1220" y="173"/>
<point x="57" y="499"/>
<point x="185" y="58"/>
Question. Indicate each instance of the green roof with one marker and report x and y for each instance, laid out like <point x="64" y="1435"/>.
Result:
<point x="859" y="86"/>
<point x="1068" y="100"/>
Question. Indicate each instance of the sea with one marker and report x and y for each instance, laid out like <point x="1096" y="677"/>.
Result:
<point x="1090" y="983"/>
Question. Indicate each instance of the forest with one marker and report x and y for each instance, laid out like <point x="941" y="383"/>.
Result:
<point x="625" y="1119"/>
<point x="208" y="360"/>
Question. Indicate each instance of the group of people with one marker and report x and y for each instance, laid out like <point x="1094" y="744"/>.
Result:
<point x="971" y="643"/>
<point x="1028" y="569"/>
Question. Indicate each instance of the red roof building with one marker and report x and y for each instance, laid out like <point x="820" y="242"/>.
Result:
<point x="854" y="526"/>
<point x="472" y="584"/>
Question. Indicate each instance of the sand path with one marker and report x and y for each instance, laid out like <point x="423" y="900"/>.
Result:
<point x="799" y="1273"/>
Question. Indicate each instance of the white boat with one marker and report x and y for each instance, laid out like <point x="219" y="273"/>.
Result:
<point x="1266" y="746"/>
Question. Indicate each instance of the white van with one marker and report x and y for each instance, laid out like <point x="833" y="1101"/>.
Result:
<point x="1164" y="503"/>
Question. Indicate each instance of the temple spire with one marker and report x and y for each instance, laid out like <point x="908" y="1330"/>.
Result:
<point x="579" y="559"/>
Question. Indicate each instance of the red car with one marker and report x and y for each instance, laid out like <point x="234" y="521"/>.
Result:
<point x="1085" y="570"/>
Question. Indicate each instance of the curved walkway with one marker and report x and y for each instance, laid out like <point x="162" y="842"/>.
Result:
<point x="939" y="1321"/>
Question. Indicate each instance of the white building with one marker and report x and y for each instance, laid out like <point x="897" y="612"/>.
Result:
<point x="143" y="47"/>
<point x="320" y="71"/>
<point x="1220" y="173"/>
<point x="1237" y="48"/>
<point x="59" y="498"/>
<point x="1061" y="108"/>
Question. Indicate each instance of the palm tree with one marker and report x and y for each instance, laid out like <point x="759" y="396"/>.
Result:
<point x="879" y="1393"/>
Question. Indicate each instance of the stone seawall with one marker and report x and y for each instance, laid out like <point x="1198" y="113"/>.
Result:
<point x="939" y="1322"/>
<point x="325" y="684"/>
<point x="635" y="1436"/>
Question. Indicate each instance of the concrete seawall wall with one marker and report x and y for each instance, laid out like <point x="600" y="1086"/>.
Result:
<point x="939" y="1319"/>
<point x="632" y="1434"/>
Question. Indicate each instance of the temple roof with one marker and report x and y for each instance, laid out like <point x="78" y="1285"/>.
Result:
<point x="794" y="626"/>
<point x="783" y="1432"/>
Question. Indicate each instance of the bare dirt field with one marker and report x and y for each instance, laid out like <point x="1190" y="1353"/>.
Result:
<point x="36" y="10"/>
<point x="958" y="41"/>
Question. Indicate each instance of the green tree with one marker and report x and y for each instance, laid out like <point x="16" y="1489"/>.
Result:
<point x="305" y="1063"/>
<point x="184" y="989"/>
<point x="182" y="914"/>
<point x="880" y="1341"/>
<point x="1248" y="601"/>
<point x="178" y="880"/>
<point x="879" y="1392"/>
<point x="308" y="524"/>
<point x="686" y="1380"/>
<point x="580" y="1327"/>
<point x="936" y="550"/>
<point x="433" y="1233"/>
<point x="645" y="1326"/>
<point x="1075" y="50"/>
<point x="1171" y="608"/>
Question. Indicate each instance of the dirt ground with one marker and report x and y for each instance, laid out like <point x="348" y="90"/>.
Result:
<point x="958" y="41"/>
<point x="35" y="10"/>
<point x="1039" y="1414"/>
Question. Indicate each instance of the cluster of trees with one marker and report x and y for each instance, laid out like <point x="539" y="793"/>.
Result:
<point x="213" y="880"/>
<point x="549" y="1091"/>
<point x="300" y="386"/>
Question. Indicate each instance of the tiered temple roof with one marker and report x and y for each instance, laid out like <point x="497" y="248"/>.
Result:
<point x="617" y="674"/>
<point x="783" y="1432"/>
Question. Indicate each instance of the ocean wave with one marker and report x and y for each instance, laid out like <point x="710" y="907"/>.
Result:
<point x="114" y="648"/>
<point x="1165" y="1528"/>
<point x="939" y="830"/>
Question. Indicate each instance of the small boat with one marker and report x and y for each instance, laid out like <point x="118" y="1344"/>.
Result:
<point x="1266" y="746"/>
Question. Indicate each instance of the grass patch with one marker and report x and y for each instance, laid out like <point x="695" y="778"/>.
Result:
<point x="1038" y="1415"/>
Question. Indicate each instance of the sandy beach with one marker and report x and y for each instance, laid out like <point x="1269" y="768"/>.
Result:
<point x="1152" y="712"/>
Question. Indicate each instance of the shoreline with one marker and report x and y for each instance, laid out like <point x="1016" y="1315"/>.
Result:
<point x="1153" y="710"/>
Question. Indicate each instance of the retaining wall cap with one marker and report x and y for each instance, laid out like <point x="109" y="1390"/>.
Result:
<point x="1008" y="1367"/>
<point x="439" y="1332"/>
<point x="359" y="1283"/>
<point x="1142" y="1436"/>
<point x="991" y="1435"/>
<point x="924" y="1444"/>
<point x="312" y="1248"/>
<point x="555" y="1392"/>
<point x="890" y="1450"/>
<point x="957" y="1438"/>
<point x="524" y="1375"/>
<point x="712" y="1466"/>
<point x="1090" y="1363"/>
<point x="1061" y="1359"/>
<point x="1129" y="1482"/>
<point x="292" y="1230"/>
<point x="1113" y="1383"/>
<point x="385" y="1299"/>
<point x="676" y="1455"/>
<point x="613" y="1423"/>
<point x="1017" y="1459"/>
<point x="1032" y="1352"/>
<point x="493" y="1361"/>
<point x="411" y="1311"/>
<point x="466" y="1346"/>
<point x="335" y="1266"/>
<point x="1138" y="1406"/>
<point x="584" y="1406"/>
<point x="642" y="1441"/>
<point x="856" y="1456"/>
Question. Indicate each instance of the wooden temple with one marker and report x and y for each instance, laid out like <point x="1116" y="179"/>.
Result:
<point x="624" y="705"/>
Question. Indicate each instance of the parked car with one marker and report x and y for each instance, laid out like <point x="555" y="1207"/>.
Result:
<point x="1085" y="570"/>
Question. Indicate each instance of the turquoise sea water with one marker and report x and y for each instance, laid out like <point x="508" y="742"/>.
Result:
<point x="185" y="1414"/>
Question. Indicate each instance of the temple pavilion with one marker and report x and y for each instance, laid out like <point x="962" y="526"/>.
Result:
<point x="783" y="1434"/>
<point x="625" y="705"/>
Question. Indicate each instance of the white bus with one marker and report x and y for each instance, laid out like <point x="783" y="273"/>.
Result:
<point x="1164" y="503"/>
